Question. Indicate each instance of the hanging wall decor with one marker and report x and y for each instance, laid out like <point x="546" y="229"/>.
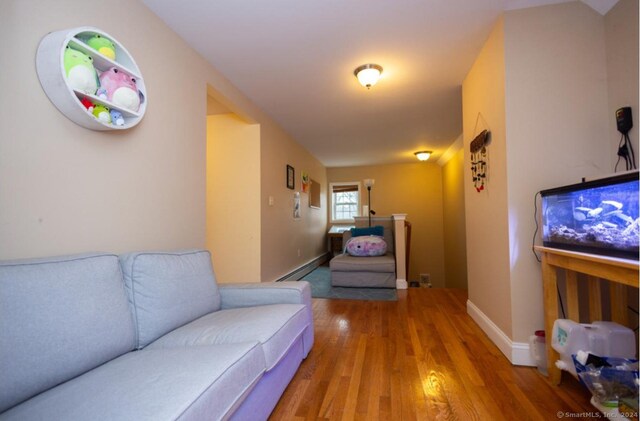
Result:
<point x="296" y="205"/>
<point x="314" y="194"/>
<point x="91" y="78"/>
<point x="479" y="160"/>
<point x="291" y="177"/>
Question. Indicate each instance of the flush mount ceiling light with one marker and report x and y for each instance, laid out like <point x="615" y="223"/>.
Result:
<point x="423" y="155"/>
<point x="368" y="74"/>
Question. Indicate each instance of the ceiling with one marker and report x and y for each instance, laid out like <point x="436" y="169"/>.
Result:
<point x="295" y="60"/>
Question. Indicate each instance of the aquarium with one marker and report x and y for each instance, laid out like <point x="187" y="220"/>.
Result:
<point x="599" y="216"/>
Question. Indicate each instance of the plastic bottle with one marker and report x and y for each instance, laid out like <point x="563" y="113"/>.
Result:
<point x="539" y="351"/>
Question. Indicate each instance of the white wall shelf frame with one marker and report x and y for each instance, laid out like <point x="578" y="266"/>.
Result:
<point x="52" y="75"/>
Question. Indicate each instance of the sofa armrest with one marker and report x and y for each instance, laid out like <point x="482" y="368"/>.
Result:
<point x="257" y="294"/>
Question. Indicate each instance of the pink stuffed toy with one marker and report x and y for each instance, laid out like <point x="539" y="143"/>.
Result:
<point x="121" y="89"/>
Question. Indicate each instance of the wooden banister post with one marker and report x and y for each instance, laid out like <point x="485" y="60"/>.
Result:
<point x="400" y="250"/>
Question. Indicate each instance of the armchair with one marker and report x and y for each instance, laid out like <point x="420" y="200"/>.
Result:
<point x="372" y="272"/>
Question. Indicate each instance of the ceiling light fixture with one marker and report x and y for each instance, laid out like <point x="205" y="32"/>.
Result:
<point x="368" y="74"/>
<point x="423" y="155"/>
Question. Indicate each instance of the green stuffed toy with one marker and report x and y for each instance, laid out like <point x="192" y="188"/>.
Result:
<point x="103" y="45"/>
<point x="102" y="113"/>
<point x="81" y="75"/>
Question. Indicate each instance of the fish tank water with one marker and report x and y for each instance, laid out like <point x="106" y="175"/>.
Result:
<point x="598" y="216"/>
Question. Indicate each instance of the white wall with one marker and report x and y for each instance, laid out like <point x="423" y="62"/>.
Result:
<point x="621" y="37"/>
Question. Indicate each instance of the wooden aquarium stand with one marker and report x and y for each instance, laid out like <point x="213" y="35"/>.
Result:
<point x="619" y="272"/>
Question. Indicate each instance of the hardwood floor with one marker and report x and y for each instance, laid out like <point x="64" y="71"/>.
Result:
<point x="420" y="358"/>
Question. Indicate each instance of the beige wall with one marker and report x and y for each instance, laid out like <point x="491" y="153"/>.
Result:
<point x="568" y="40"/>
<point x="487" y="231"/>
<point x="233" y="199"/>
<point x="66" y="189"/>
<point x="541" y="85"/>
<point x="214" y="107"/>
<point x="414" y="189"/>
<point x="287" y="243"/>
<point x="455" y="252"/>
<point x="621" y="38"/>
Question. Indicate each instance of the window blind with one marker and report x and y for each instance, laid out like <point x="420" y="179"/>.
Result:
<point x="345" y="188"/>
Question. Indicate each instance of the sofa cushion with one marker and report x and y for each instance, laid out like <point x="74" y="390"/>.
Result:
<point x="363" y="280"/>
<point x="275" y="326"/>
<point x="168" y="290"/>
<point x="163" y="384"/>
<point x="347" y="263"/>
<point x="59" y="317"/>
<point x="264" y="293"/>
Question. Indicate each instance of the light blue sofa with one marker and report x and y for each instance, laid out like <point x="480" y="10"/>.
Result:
<point x="145" y="336"/>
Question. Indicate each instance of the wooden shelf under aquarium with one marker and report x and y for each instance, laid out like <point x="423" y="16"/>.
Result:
<point x="619" y="273"/>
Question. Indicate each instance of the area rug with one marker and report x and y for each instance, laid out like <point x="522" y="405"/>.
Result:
<point x="320" y="280"/>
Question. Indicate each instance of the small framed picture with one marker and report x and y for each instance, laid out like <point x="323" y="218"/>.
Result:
<point x="291" y="177"/>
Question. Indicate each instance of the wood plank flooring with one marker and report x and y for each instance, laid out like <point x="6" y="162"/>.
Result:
<point x="420" y="358"/>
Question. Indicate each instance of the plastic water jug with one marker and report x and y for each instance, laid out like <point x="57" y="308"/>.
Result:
<point x="605" y="339"/>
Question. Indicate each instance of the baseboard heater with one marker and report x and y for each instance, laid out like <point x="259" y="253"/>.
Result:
<point x="305" y="269"/>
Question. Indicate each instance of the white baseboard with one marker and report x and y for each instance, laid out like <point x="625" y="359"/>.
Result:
<point x="516" y="352"/>
<point x="401" y="283"/>
<point x="305" y="269"/>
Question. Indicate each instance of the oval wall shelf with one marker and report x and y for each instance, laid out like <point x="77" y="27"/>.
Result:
<point x="51" y="72"/>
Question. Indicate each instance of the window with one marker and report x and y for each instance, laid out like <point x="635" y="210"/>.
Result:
<point x="345" y="201"/>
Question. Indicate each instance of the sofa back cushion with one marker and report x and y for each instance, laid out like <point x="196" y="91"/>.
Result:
<point x="59" y="318"/>
<point x="168" y="289"/>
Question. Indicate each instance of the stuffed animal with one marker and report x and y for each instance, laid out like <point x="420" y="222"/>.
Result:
<point x="116" y="118"/>
<point x="101" y="93"/>
<point x="103" y="45"/>
<point x="369" y="245"/>
<point x="81" y="75"/>
<point x="102" y="113"/>
<point x="87" y="104"/>
<point x="121" y="89"/>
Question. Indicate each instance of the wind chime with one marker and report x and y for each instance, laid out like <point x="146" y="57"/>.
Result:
<point x="479" y="160"/>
